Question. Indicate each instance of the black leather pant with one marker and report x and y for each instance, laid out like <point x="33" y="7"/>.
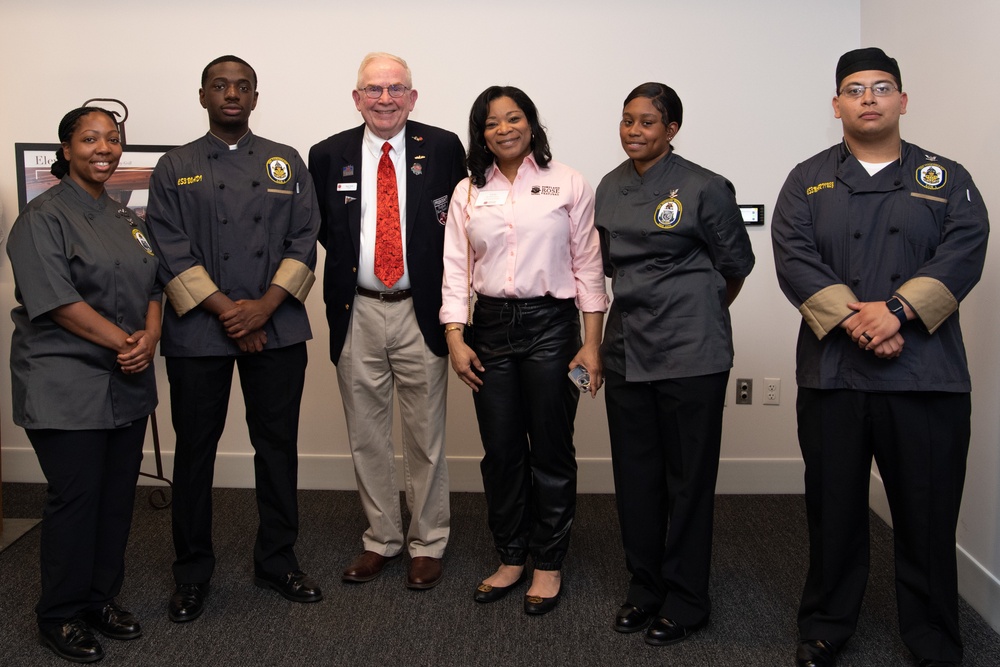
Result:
<point x="526" y="409"/>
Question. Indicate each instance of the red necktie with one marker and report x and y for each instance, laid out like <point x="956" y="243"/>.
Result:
<point x="388" y="241"/>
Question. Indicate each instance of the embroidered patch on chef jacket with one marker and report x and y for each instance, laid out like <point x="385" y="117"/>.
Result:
<point x="668" y="213"/>
<point x="932" y="176"/>
<point x="137" y="235"/>
<point x="279" y="170"/>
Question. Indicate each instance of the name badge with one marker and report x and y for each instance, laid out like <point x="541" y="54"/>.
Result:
<point x="345" y="187"/>
<point x="492" y="197"/>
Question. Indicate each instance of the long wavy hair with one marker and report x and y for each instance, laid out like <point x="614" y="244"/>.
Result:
<point x="480" y="157"/>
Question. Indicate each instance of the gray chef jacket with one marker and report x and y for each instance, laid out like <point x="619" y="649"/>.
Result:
<point x="917" y="229"/>
<point x="64" y="248"/>
<point x="670" y="238"/>
<point x="235" y="221"/>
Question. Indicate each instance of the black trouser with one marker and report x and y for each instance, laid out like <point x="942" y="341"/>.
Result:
<point x="920" y="441"/>
<point x="526" y="407"/>
<point x="272" y="383"/>
<point x="665" y="442"/>
<point x="91" y="478"/>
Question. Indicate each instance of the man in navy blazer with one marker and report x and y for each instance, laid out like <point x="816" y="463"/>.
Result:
<point x="386" y="338"/>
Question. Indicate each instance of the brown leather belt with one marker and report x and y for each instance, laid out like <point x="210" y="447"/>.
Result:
<point x="398" y="295"/>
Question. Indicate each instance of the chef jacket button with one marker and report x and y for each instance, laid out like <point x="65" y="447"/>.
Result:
<point x="260" y="253"/>
<point x="225" y="255"/>
<point x="260" y="288"/>
<point x="856" y="281"/>
<point x="120" y="319"/>
<point x="255" y="183"/>
<point x="222" y="186"/>
<point x="621" y="272"/>
<point x="226" y="292"/>
<point x="256" y="218"/>
<point x="894" y="277"/>
<point x="857" y="235"/>
<point x="225" y="221"/>
<point x="894" y="230"/>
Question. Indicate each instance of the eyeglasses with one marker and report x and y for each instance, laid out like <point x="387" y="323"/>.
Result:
<point x="375" y="92"/>
<point x="880" y="89"/>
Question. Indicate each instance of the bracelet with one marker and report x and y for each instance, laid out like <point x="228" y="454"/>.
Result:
<point x="447" y="330"/>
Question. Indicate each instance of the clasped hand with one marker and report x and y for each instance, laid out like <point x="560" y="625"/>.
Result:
<point x="244" y="324"/>
<point x="140" y="355"/>
<point x="874" y="328"/>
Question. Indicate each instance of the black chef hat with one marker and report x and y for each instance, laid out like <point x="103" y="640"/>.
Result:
<point x="860" y="60"/>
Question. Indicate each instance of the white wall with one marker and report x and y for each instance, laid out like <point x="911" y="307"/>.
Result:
<point x="948" y="53"/>
<point x="756" y="80"/>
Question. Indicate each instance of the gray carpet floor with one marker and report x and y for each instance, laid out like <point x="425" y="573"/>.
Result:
<point x="757" y="573"/>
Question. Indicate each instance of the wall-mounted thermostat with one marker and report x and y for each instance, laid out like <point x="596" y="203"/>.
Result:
<point x="753" y="214"/>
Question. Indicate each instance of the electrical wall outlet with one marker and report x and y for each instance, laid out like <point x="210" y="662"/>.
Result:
<point x="772" y="391"/>
<point x="744" y="391"/>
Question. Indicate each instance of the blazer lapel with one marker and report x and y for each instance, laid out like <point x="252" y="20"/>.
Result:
<point x="352" y="163"/>
<point x="416" y="158"/>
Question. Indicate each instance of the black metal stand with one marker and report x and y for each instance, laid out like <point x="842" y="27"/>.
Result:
<point x="158" y="497"/>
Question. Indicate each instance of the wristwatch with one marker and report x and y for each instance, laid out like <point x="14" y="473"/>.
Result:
<point x="895" y="307"/>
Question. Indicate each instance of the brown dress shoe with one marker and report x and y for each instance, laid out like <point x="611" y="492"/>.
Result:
<point x="366" y="567"/>
<point x="425" y="572"/>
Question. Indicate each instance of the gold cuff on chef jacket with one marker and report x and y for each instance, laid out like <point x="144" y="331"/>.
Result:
<point x="930" y="300"/>
<point x="294" y="277"/>
<point x="189" y="289"/>
<point x="827" y="308"/>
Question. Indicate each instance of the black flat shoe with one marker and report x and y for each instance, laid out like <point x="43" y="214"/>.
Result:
<point x="187" y="602"/>
<point x="486" y="593"/>
<point x="631" y="619"/>
<point x="664" y="632"/>
<point x="536" y="606"/>
<point x="113" y="621"/>
<point x="295" y="586"/>
<point x="73" y="641"/>
<point x="815" y="653"/>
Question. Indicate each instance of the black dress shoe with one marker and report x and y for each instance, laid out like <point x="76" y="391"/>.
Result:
<point x="929" y="662"/>
<point x="73" y="641"/>
<point x="295" y="586"/>
<point x="536" y="605"/>
<point x="815" y="653"/>
<point x="664" y="632"/>
<point x="113" y="621"/>
<point x="187" y="602"/>
<point x="486" y="593"/>
<point x="631" y="619"/>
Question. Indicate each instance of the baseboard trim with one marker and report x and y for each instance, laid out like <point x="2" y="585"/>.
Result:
<point x="336" y="472"/>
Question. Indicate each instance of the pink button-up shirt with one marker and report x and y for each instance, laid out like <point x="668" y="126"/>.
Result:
<point x="541" y="241"/>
